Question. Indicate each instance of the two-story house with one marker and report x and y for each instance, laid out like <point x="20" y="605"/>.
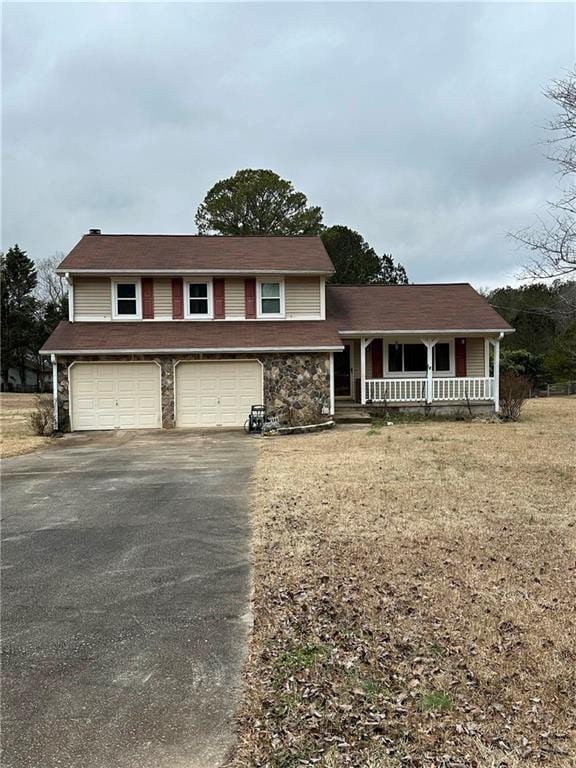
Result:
<point x="191" y="331"/>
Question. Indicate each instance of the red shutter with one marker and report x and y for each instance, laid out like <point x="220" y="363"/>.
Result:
<point x="377" y="359"/>
<point x="219" y="309"/>
<point x="177" y="298"/>
<point x="148" y="298"/>
<point x="250" y="298"/>
<point x="460" y="357"/>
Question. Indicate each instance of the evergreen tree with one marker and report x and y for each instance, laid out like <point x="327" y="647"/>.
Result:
<point x="257" y="202"/>
<point x="357" y="262"/>
<point x="18" y="305"/>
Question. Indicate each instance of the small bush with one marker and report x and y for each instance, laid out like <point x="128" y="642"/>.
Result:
<point x="514" y="391"/>
<point x="41" y="418"/>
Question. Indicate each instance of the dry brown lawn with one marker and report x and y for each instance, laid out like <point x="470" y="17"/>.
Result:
<point x="415" y="596"/>
<point x="16" y="435"/>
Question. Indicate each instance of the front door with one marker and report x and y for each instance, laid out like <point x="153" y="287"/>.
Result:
<point x="342" y="372"/>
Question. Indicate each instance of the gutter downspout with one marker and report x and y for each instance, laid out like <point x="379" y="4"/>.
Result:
<point x="332" y="387"/>
<point x="496" y="344"/>
<point x="70" y="297"/>
<point x="54" y="391"/>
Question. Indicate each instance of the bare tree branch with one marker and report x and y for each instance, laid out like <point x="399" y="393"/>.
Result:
<point x="552" y="242"/>
<point x="51" y="287"/>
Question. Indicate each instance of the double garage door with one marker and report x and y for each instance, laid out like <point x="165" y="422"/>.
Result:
<point x="128" y="395"/>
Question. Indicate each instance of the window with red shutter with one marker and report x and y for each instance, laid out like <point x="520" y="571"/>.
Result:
<point x="219" y="308"/>
<point x="250" y="297"/>
<point x="377" y="359"/>
<point x="177" y="298"/>
<point x="148" y="298"/>
<point x="460" y="353"/>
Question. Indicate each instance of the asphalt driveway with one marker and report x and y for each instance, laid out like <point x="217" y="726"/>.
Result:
<point x="126" y="588"/>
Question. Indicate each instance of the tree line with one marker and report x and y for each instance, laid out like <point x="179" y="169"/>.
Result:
<point x="33" y="300"/>
<point x="543" y="348"/>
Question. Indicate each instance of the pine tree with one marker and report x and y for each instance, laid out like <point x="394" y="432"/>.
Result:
<point x="18" y="305"/>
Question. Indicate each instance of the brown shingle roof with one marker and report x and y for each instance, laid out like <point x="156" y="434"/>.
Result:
<point x="128" y="253"/>
<point x="171" y="336"/>
<point x="439" y="307"/>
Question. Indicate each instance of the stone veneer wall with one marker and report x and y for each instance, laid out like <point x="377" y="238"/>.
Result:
<point x="295" y="385"/>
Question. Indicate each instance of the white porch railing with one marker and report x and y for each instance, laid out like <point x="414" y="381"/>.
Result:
<point x="473" y="388"/>
<point x="443" y="390"/>
<point x="396" y="390"/>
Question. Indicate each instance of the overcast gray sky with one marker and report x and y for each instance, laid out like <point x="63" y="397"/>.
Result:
<point x="419" y="125"/>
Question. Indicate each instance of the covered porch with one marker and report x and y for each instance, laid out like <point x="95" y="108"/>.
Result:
<point x="415" y="369"/>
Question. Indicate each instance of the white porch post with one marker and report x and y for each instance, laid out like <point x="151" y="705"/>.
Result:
<point x="429" y="344"/>
<point x="363" y="371"/>
<point x="54" y="392"/>
<point x="496" y="343"/>
<point x="332" y="387"/>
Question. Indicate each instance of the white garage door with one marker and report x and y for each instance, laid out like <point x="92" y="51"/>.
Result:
<point x="115" y="396"/>
<point x="217" y="394"/>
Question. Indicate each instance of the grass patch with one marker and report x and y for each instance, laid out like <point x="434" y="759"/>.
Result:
<point x="298" y="659"/>
<point x="16" y="433"/>
<point x="436" y="650"/>
<point x="437" y="701"/>
<point x="391" y="585"/>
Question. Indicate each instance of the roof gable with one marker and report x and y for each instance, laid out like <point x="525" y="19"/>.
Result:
<point x="197" y="253"/>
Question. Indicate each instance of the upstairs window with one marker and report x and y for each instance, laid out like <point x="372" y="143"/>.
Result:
<point x="199" y="300"/>
<point x="271" y="299"/>
<point x="127" y="300"/>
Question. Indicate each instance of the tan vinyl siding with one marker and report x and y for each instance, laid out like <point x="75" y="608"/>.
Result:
<point x="234" y="297"/>
<point x="163" y="297"/>
<point x="474" y="357"/>
<point x="302" y="296"/>
<point x="92" y="298"/>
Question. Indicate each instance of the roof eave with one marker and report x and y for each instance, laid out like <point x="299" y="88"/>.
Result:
<point x="404" y="332"/>
<point x="63" y="270"/>
<point x="192" y="350"/>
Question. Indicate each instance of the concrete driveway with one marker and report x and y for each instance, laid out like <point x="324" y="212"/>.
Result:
<point x="126" y="588"/>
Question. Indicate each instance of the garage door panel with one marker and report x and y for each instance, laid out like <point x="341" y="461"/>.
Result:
<point x="115" y="396"/>
<point x="97" y="405"/>
<point x="214" y="394"/>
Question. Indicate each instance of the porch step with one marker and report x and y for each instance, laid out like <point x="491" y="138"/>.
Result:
<point x="351" y="414"/>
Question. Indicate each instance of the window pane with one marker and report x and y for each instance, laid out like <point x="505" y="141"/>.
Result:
<point x="126" y="307"/>
<point x="415" y="358"/>
<point x="126" y="290"/>
<point x="270" y="306"/>
<point x="442" y="357"/>
<point x="270" y="290"/>
<point x="198" y="290"/>
<point x="198" y="306"/>
<point x="395" y="357"/>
